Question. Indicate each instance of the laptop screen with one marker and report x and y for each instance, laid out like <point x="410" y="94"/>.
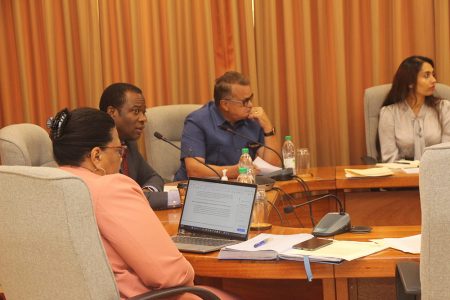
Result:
<point x="220" y="208"/>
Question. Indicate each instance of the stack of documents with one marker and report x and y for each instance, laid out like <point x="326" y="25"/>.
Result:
<point x="268" y="251"/>
<point x="370" y="172"/>
<point x="280" y="247"/>
<point x="336" y="252"/>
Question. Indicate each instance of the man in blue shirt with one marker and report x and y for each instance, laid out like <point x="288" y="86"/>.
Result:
<point x="204" y="138"/>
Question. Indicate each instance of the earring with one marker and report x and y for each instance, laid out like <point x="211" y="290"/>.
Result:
<point x="100" y="169"/>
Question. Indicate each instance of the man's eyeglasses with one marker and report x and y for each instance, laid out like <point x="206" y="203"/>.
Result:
<point x="120" y="149"/>
<point x="244" y="102"/>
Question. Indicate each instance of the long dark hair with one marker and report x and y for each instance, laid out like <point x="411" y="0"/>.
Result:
<point x="74" y="133"/>
<point x="405" y="81"/>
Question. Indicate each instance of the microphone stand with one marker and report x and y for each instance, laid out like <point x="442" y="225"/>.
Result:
<point x="331" y="223"/>
<point x="290" y="208"/>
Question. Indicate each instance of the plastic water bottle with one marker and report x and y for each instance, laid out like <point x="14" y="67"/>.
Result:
<point x="288" y="151"/>
<point x="244" y="177"/>
<point x="246" y="162"/>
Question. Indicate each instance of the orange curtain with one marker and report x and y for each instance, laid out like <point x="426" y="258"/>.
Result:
<point x="309" y="61"/>
<point x="174" y="50"/>
<point x="63" y="53"/>
<point x="48" y="58"/>
<point x="316" y="57"/>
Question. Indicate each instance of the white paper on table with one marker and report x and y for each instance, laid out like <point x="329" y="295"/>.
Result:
<point x="348" y="250"/>
<point x="278" y="242"/>
<point x="410" y="244"/>
<point x="401" y="164"/>
<point x="370" y="172"/>
<point x="168" y="188"/>
<point x="264" y="167"/>
<point x="411" y="171"/>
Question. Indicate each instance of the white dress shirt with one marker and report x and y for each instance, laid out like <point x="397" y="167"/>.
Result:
<point x="403" y="135"/>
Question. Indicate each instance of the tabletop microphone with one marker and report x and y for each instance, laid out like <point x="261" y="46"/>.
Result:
<point x="281" y="175"/>
<point x="332" y="223"/>
<point x="159" y="136"/>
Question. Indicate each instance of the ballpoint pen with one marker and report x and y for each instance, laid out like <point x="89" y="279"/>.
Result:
<point x="261" y="243"/>
<point x="403" y="162"/>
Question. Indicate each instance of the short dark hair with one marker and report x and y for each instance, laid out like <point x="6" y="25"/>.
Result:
<point x="405" y="80"/>
<point x="114" y="95"/>
<point x="75" y="133"/>
<point x="222" y="87"/>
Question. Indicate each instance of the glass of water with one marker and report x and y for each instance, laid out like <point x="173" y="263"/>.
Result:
<point x="303" y="162"/>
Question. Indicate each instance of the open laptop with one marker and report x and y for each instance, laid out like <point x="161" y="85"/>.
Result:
<point x="215" y="214"/>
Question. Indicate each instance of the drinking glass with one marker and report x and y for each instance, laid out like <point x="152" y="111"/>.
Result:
<point x="303" y="162"/>
<point x="182" y="186"/>
<point x="260" y="215"/>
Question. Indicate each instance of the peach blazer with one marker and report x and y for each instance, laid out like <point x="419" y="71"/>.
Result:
<point x="141" y="253"/>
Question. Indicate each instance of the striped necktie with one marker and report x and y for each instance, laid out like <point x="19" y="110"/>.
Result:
<point x="124" y="167"/>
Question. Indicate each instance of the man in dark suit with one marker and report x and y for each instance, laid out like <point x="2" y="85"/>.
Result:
<point x="125" y="103"/>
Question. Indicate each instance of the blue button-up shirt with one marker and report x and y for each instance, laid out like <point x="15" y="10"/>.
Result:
<point x="202" y="137"/>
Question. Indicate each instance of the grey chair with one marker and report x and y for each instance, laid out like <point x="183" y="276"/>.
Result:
<point x="49" y="241"/>
<point x="434" y="187"/>
<point x="169" y="121"/>
<point x="373" y="99"/>
<point x="26" y="145"/>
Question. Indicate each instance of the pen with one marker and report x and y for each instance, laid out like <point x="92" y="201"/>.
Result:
<point x="403" y="162"/>
<point x="260" y="243"/>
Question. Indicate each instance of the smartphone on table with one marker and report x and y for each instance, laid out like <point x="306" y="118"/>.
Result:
<point x="312" y="244"/>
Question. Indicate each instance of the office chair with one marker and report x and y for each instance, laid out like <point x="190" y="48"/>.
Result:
<point x="49" y="241"/>
<point x="373" y="99"/>
<point x="169" y="121"/>
<point x="434" y="257"/>
<point x="26" y="145"/>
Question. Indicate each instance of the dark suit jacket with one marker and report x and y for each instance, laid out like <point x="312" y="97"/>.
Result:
<point x="140" y="170"/>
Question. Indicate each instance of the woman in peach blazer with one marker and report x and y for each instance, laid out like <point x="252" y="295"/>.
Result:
<point x="140" y="252"/>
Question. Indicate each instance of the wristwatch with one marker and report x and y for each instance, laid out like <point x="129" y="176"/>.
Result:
<point x="270" y="133"/>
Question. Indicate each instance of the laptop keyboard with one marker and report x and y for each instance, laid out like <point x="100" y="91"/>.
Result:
<point x="195" y="240"/>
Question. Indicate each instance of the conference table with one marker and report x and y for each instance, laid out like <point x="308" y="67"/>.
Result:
<point x="373" y="201"/>
<point x="319" y="181"/>
<point x="378" y="201"/>
<point x="282" y="279"/>
<point x="397" y="205"/>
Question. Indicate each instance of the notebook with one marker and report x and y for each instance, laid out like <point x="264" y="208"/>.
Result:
<point x="218" y="212"/>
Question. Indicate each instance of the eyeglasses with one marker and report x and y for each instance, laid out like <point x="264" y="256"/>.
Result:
<point x="120" y="149"/>
<point x="245" y="102"/>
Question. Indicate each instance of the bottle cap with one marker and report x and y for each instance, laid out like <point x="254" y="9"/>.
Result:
<point x="244" y="150"/>
<point x="242" y="170"/>
<point x="288" y="138"/>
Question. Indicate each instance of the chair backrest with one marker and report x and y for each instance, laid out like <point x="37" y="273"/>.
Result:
<point x="434" y="185"/>
<point x="169" y="121"/>
<point x="26" y="145"/>
<point x="49" y="241"/>
<point x="373" y="99"/>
